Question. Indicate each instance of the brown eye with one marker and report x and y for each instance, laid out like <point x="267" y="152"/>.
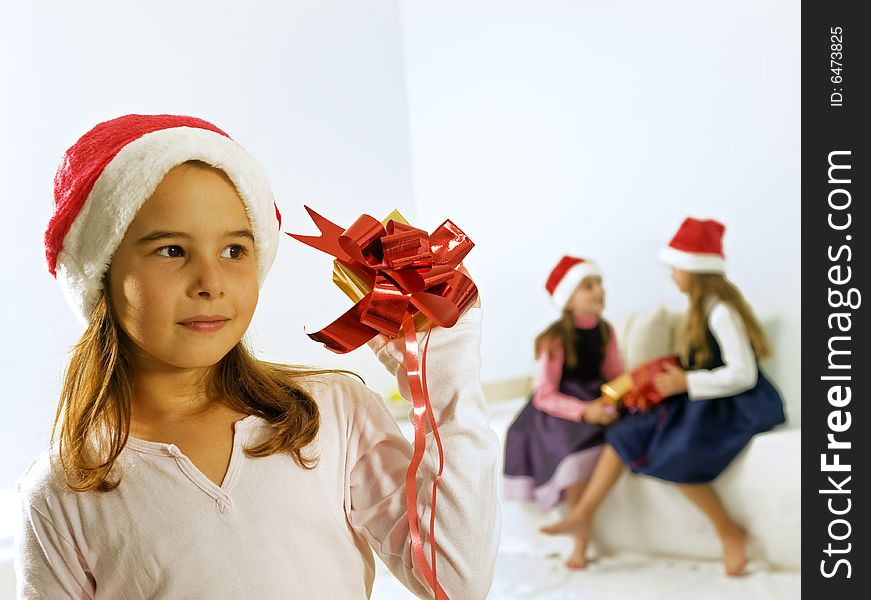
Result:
<point x="170" y="251"/>
<point x="233" y="252"/>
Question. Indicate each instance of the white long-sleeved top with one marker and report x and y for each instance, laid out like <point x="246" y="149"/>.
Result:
<point x="739" y="371"/>
<point x="273" y="530"/>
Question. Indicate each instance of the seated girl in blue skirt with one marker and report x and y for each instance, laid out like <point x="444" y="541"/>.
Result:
<point x="712" y="409"/>
<point x="552" y="445"/>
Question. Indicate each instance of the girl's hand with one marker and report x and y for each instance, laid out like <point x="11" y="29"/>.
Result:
<point x="672" y="381"/>
<point x="600" y="413"/>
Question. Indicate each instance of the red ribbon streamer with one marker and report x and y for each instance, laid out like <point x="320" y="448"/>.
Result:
<point x="422" y="409"/>
<point x="408" y="272"/>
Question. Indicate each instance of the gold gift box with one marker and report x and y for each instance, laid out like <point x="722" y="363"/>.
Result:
<point x="615" y="389"/>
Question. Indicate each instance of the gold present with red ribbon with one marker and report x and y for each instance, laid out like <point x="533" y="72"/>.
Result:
<point x="402" y="280"/>
<point x="393" y="272"/>
<point x="635" y="390"/>
<point x="353" y="285"/>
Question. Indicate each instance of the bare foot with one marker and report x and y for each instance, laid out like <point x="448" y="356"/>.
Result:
<point x="578" y="558"/>
<point x="576" y="523"/>
<point x="735" y="551"/>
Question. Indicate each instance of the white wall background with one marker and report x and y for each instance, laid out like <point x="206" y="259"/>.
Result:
<point x="594" y="128"/>
<point x="541" y="128"/>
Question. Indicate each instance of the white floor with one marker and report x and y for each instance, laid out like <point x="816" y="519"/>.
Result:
<point x="543" y="577"/>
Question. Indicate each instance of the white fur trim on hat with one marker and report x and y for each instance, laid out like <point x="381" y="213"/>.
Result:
<point x="570" y="281"/>
<point x="693" y="262"/>
<point x="129" y="179"/>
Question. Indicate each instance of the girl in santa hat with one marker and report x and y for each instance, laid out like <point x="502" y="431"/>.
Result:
<point x="181" y="465"/>
<point x="554" y="442"/>
<point x="713" y="407"/>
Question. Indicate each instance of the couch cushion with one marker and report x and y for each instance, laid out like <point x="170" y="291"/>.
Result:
<point x="647" y="335"/>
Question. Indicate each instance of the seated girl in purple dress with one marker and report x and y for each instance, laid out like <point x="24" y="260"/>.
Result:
<point x="554" y="442"/>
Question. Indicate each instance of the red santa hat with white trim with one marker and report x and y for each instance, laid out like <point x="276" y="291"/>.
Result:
<point x="565" y="277"/>
<point x="697" y="247"/>
<point x="106" y="176"/>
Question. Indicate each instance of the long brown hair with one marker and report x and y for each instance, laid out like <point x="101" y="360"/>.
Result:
<point x="701" y="289"/>
<point x="92" y="423"/>
<point x="562" y="332"/>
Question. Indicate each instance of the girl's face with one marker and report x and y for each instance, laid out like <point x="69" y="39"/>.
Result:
<point x="183" y="282"/>
<point x="681" y="279"/>
<point x="588" y="297"/>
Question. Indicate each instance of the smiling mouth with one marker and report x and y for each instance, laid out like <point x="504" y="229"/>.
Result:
<point x="205" y="324"/>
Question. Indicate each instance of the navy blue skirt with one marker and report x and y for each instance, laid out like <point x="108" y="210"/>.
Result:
<point x="693" y="441"/>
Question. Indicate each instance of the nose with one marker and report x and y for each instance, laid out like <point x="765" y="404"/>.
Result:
<point x="207" y="279"/>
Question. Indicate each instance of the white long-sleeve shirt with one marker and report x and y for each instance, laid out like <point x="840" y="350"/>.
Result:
<point x="273" y="530"/>
<point x="739" y="371"/>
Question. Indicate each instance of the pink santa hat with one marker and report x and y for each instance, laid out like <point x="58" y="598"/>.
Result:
<point x="697" y="247"/>
<point x="565" y="277"/>
<point x="106" y="176"/>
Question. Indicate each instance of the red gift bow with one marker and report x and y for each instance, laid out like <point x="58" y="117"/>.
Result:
<point x="643" y="394"/>
<point x="408" y="271"/>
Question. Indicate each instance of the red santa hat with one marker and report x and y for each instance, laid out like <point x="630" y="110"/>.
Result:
<point x="106" y="176"/>
<point x="566" y="276"/>
<point x="697" y="247"/>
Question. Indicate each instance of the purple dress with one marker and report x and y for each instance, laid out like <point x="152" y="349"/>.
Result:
<point x="545" y="454"/>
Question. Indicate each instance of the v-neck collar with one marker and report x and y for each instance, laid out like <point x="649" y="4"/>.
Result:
<point x="221" y="493"/>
